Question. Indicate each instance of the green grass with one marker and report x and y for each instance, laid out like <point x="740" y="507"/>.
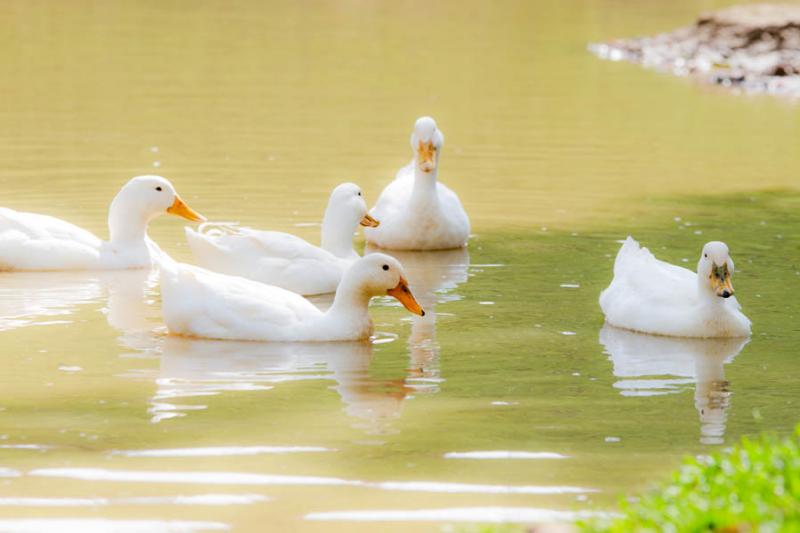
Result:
<point x="755" y="486"/>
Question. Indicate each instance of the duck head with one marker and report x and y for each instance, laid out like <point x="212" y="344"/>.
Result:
<point x="346" y="210"/>
<point x="426" y="141"/>
<point x="141" y="200"/>
<point x="715" y="269"/>
<point x="347" y="203"/>
<point x="379" y="275"/>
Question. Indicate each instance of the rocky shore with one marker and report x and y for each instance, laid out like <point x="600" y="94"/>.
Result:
<point x="751" y="48"/>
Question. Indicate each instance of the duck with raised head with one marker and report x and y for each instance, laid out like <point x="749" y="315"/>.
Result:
<point x="200" y="303"/>
<point x="652" y="296"/>
<point x="282" y="259"/>
<point x="30" y="241"/>
<point x="417" y="212"/>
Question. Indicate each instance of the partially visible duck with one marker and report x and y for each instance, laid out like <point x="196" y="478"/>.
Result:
<point x="282" y="259"/>
<point x="30" y="241"/>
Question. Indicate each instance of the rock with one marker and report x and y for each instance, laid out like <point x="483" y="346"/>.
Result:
<point x="754" y="47"/>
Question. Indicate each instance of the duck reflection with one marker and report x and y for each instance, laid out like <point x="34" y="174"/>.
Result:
<point x="652" y="365"/>
<point x="433" y="276"/>
<point x="39" y="298"/>
<point x="130" y="307"/>
<point x="198" y="367"/>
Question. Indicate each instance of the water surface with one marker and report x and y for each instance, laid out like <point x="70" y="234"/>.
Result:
<point x="509" y="401"/>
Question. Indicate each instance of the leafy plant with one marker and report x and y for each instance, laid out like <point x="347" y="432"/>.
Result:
<point x="755" y="486"/>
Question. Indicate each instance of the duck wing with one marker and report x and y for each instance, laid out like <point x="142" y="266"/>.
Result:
<point x="208" y="304"/>
<point x="641" y="275"/>
<point x="271" y="257"/>
<point x="394" y="198"/>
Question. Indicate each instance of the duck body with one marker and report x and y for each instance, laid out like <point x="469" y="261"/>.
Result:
<point x="35" y="242"/>
<point x="282" y="259"/>
<point x="270" y="257"/>
<point x="652" y="296"/>
<point x="200" y="303"/>
<point x="416" y="211"/>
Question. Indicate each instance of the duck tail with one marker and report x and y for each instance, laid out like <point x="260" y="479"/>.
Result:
<point x="630" y="248"/>
<point x="214" y="229"/>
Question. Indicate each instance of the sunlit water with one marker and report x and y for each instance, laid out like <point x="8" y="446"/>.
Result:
<point x="509" y="401"/>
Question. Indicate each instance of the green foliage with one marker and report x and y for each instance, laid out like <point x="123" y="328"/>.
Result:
<point x="755" y="486"/>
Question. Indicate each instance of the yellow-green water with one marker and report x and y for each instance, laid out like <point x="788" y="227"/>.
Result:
<point x="256" y="110"/>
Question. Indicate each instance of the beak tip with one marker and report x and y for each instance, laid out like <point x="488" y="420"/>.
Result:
<point x="421" y="312"/>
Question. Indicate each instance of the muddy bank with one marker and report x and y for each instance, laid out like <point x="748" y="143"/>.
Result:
<point x="752" y="48"/>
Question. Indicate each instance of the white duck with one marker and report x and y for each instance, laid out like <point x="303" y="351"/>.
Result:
<point x="200" y="303"/>
<point x="652" y="296"/>
<point x="30" y="241"/>
<point x="416" y="211"/>
<point x="282" y="259"/>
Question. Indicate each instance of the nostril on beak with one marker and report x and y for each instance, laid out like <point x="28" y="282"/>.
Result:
<point x="726" y="294"/>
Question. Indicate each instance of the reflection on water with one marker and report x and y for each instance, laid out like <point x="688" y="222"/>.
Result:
<point x="433" y="276"/>
<point x="130" y="308"/>
<point x="197" y="367"/>
<point x="651" y="365"/>
<point x="98" y="525"/>
<point x="38" y="298"/>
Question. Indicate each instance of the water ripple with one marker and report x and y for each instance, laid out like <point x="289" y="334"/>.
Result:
<point x="220" y="451"/>
<point x="503" y="454"/>
<point x="243" y="478"/>
<point x="457" y="514"/>
<point x="92" y="525"/>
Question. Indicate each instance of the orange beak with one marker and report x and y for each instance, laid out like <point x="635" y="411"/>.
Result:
<point x="426" y="156"/>
<point x="369" y="222"/>
<point x="404" y="296"/>
<point x="180" y="209"/>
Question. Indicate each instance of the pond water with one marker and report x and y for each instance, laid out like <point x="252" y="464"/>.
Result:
<point x="510" y="400"/>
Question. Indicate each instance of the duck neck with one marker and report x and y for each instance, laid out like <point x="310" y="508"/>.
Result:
<point x="706" y="294"/>
<point x="337" y="233"/>
<point x="350" y="303"/>
<point x="424" y="192"/>
<point x="126" y="224"/>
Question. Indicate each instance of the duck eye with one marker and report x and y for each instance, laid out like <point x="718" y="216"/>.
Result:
<point x="705" y="255"/>
<point x="158" y="188"/>
<point x="359" y="193"/>
<point x="386" y="267"/>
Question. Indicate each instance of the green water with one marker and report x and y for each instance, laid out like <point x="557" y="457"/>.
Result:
<point x="256" y="111"/>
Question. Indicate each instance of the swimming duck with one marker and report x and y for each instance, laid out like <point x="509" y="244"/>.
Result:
<point x="30" y="241"/>
<point x="652" y="296"/>
<point x="200" y="303"/>
<point x="416" y="211"/>
<point x="282" y="259"/>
